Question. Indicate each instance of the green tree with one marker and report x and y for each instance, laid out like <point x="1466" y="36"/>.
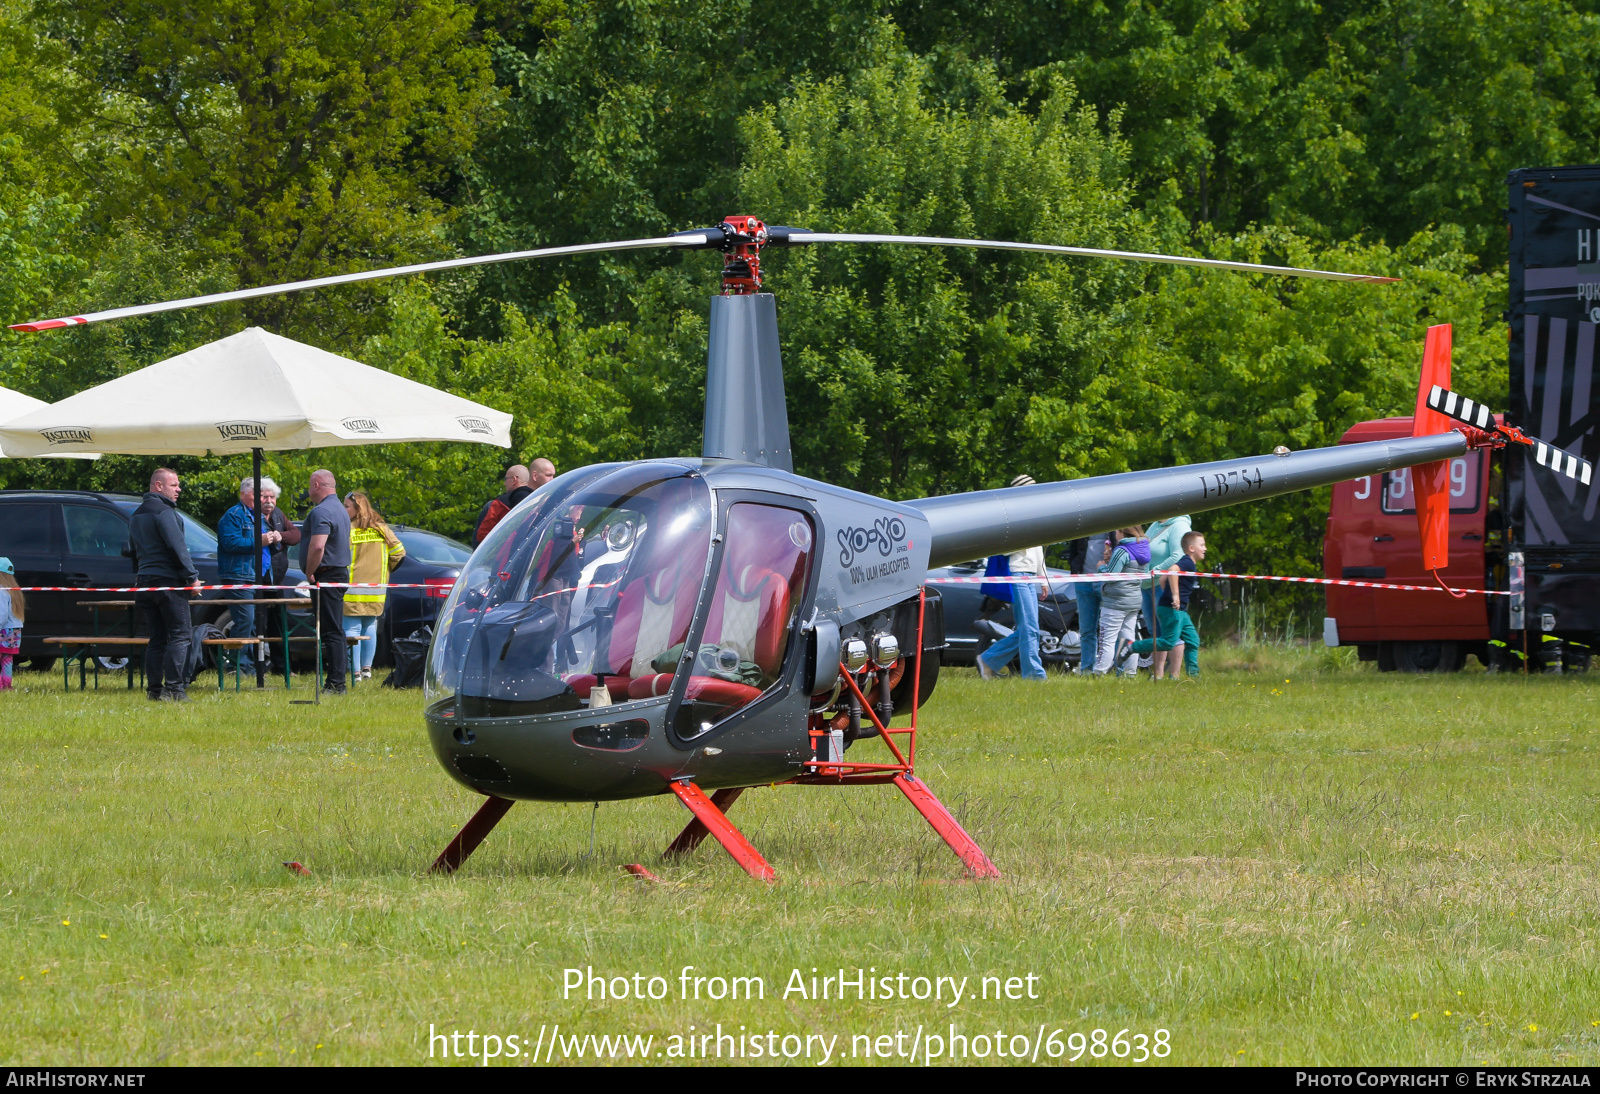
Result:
<point x="621" y="121"/>
<point x="915" y="372"/>
<point x="284" y="138"/>
<point x="910" y="368"/>
<point x="1339" y="119"/>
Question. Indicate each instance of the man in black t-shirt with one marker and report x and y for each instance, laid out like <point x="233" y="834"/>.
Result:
<point x="325" y="557"/>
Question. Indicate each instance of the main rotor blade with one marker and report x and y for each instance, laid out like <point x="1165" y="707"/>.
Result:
<point x="685" y="239"/>
<point x="1087" y="252"/>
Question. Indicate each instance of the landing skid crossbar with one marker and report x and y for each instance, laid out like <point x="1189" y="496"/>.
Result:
<point x="718" y="825"/>
<point x="472" y="833"/>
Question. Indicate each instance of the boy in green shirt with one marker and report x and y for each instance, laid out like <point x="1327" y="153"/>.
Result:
<point x="1178" y="638"/>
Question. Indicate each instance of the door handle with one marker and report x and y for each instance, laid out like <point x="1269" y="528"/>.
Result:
<point x="1471" y="535"/>
<point x="76" y="579"/>
<point x="1383" y="539"/>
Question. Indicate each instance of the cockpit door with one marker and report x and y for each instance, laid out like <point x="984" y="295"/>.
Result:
<point x="743" y="647"/>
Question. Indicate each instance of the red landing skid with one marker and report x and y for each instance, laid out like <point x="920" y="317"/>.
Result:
<point x="467" y="840"/>
<point x="710" y="814"/>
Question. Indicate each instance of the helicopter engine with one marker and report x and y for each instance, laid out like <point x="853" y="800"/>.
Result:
<point x="881" y="653"/>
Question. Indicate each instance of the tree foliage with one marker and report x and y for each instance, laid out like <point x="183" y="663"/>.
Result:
<point x="287" y="138"/>
<point x="1340" y="119"/>
<point x="160" y="149"/>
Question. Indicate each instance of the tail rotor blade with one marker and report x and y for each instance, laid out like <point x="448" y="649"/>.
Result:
<point x="1563" y="463"/>
<point x="1478" y="416"/>
<point x="797" y="236"/>
<point x="682" y="239"/>
<point x="1461" y="408"/>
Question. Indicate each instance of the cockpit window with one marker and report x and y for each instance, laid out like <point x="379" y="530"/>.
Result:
<point x="591" y="585"/>
<point x="766" y="562"/>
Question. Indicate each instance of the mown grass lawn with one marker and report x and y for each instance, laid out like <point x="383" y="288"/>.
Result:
<point x="1306" y="863"/>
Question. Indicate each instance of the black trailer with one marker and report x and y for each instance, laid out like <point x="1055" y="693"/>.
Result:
<point x="1552" y="524"/>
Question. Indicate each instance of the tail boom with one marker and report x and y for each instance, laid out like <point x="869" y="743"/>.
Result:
<point x="991" y="522"/>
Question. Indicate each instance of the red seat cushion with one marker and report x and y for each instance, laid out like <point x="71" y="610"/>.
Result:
<point x="647" y="687"/>
<point x="772" y="590"/>
<point x="660" y="585"/>
<point x="711" y="689"/>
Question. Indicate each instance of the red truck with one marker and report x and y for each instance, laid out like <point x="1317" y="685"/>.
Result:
<point x="1514" y="525"/>
<point x="1372" y="536"/>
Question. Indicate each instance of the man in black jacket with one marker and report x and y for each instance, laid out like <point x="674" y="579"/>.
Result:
<point x="518" y="486"/>
<point x="160" y="557"/>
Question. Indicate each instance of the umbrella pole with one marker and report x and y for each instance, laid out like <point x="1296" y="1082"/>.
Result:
<point x="255" y="594"/>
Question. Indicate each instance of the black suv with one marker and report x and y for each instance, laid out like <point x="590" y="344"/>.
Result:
<point x="76" y="538"/>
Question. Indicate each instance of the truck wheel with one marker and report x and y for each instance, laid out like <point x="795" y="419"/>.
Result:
<point x="1427" y="656"/>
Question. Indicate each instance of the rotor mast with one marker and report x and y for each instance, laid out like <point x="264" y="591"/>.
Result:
<point x="746" y="417"/>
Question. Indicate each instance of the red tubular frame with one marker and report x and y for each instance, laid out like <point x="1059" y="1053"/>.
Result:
<point x="933" y="810"/>
<point x="695" y="830"/>
<point x="901" y="773"/>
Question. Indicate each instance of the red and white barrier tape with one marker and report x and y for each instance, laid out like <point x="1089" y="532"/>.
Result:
<point x="288" y="589"/>
<point x="1076" y="579"/>
<point x="1023" y="579"/>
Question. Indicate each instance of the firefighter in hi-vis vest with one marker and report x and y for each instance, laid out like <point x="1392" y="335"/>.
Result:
<point x="373" y="550"/>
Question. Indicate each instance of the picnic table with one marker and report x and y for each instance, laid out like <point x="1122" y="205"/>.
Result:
<point x="84" y="649"/>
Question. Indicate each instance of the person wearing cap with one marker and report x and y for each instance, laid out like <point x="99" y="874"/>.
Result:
<point x="1023" y="641"/>
<point x="12" y="608"/>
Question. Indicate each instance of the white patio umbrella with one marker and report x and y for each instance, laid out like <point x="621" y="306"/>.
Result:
<point x="250" y="392"/>
<point x="14" y="404"/>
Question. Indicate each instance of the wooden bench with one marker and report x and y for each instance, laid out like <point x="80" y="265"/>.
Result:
<point x="227" y="646"/>
<point x="87" y="651"/>
<point x="87" y="645"/>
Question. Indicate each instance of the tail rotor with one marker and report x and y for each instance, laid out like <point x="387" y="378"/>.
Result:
<point x="1440" y="409"/>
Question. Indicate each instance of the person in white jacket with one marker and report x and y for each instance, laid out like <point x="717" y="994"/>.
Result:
<point x="1023" y="642"/>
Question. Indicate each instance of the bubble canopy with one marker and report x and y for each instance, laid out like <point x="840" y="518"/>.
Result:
<point x="539" y="616"/>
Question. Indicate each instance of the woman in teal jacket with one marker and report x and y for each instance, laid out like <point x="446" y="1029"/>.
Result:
<point x="1166" y="548"/>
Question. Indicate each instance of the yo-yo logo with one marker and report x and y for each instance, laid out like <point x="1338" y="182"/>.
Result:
<point x="885" y="533"/>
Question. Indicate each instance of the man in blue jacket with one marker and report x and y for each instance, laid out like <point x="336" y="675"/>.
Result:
<point x="161" y="558"/>
<point x="236" y="563"/>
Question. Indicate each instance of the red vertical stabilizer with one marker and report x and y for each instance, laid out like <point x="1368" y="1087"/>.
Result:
<point x="1431" y="481"/>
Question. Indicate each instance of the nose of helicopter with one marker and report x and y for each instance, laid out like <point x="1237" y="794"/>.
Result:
<point x="616" y="752"/>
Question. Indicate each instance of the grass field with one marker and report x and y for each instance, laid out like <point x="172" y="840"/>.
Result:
<point x="1295" y="860"/>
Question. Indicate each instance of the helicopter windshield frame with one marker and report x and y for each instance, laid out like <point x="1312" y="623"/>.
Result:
<point x="684" y="725"/>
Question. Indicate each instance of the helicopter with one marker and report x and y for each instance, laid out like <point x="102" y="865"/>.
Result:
<point x="703" y="625"/>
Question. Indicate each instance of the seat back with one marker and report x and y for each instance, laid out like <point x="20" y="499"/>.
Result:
<point x="653" y="612"/>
